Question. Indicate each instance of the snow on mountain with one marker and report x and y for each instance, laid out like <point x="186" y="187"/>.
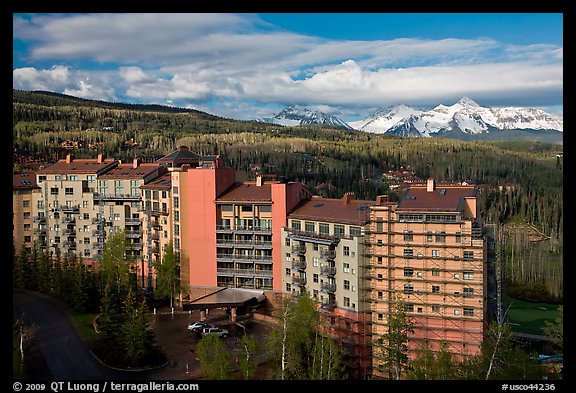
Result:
<point x="297" y="116"/>
<point x="466" y="115"/>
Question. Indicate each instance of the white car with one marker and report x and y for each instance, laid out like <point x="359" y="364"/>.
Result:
<point x="198" y="326"/>
<point x="215" y="330"/>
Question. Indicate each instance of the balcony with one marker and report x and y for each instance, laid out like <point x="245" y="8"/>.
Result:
<point x="132" y="221"/>
<point x="40" y="232"/>
<point x="223" y="229"/>
<point x="98" y="246"/>
<point x="133" y="234"/>
<point x="328" y="287"/>
<point x="69" y="232"/>
<point x="98" y="233"/>
<point x="300" y="281"/>
<point x="245" y="272"/>
<point x="298" y="264"/>
<point x="155" y="250"/>
<point x="315" y="237"/>
<point x="98" y="220"/>
<point x="39" y="219"/>
<point x="134" y="246"/>
<point x="68" y="209"/>
<point x="328" y="304"/>
<point x="327" y="270"/>
<point x="117" y="197"/>
<point x="69" y="221"/>
<point x="69" y="244"/>
<point x="155" y="236"/>
<point x="267" y="259"/>
<point x="298" y="249"/>
<point x="328" y="254"/>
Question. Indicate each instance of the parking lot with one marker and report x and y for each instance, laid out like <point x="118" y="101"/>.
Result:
<point x="178" y="344"/>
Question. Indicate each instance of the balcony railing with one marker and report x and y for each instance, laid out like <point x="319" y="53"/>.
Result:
<point x="328" y="304"/>
<point x="155" y="250"/>
<point x="327" y="287"/>
<point x="69" y="221"/>
<point x="253" y="258"/>
<point x="40" y="232"/>
<point x="328" y="254"/>
<point x="155" y="236"/>
<point x="122" y="197"/>
<point x="68" y="209"/>
<point x="133" y="234"/>
<point x="98" y="220"/>
<point x="98" y="246"/>
<point x="298" y="264"/>
<point x="328" y="270"/>
<point x="247" y="229"/>
<point x="69" y="244"/>
<point x="301" y="281"/>
<point x="134" y="246"/>
<point x="245" y="272"/>
<point x="132" y="221"/>
<point x="69" y="232"/>
<point x="98" y="233"/>
<point x="312" y="236"/>
<point x="243" y="243"/>
<point x="39" y="219"/>
<point x="298" y="249"/>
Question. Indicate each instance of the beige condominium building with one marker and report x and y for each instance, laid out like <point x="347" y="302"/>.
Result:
<point x="26" y="226"/>
<point x="429" y="251"/>
<point x="323" y="254"/>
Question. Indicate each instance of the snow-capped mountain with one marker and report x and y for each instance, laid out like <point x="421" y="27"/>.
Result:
<point x="297" y="116"/>
<point x="465" y="116"/>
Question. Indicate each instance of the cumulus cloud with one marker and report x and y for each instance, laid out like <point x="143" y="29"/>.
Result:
<point x="197" y="59"/>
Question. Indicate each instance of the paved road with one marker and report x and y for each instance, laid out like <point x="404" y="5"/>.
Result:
<point x="66" y="357"/>
<point x="57" y="341"/>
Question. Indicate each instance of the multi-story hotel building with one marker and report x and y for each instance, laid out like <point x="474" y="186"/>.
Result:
<point x="430" y="251"/>
<point x="26" y="226"/>
<point x="323" y="254"/>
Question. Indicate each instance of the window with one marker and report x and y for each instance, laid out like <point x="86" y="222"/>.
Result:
<point x="428" y="236"/>
<point x="54" y="191"/>
<point x="420" y="310"/>
<point x="346" y="284"/>
<point x="148" y="194"/>
<point x="116" y="216"/>
<point x="339" y="230"/>
<point x="86" y="240"/>
<point x="380" y="293"/>
<point x="379" y="242"/>
<point x="265" y="208"/>
<point x="315" y="261"/>
<point x="175" y="190"/>
<point x="91" y="178"/>
<point x="346" y="302"/>
<point x="441" y="237"/>
<point x="408" y="236"/>
<point x="41" y="178"/>
<point x="288" y="258"/>
<point x="40" y="204"/>
<point x="324" y="229"/>
<point x="86" y="252"/>
<point x="408" y="272"/>
<point x="86" y="228"/>
<point x="409" y="307"/>
<point x="420" y="274"/>
<point x="435" y="288"/>
<point x="246" y="208"/>
<point x="26" y="215"/>
<point x="346" y="251"/>
<point x="56" y="239"/>
<point x="287" y="242"/>
<point x="435" y="253"/>
<point x="408" y="253"/>
<point x="315" y="294"/>
<point x="164" y="194"/>
<point x="380" y="316"/>
<point x="355" y="231"/>
<point x="296" y="225"/>
<point x="176" y="215"/>
<point x="379" y="277"/>
<point x="310" y="226"/>
<point x="288" y="271"/>
<point x="435" y="272"/>
<point x="379" y="227"/>
<point x="288" y="287"/>
<point x="315" y="247"/>
<point x="176" y="203"/>
<point x="346" y="268"/>
<point x="57" y="177"/>
<point x="408" y="288"/>
<point x="315" y="277"/>
<point x="86" y="216"/>
<point x="27" y="227"/>
<point x="25" y="203"/>
<point x="468" y="292"/>
<point x="468" y="275"/>
<point x="176" y="229"/>
<point x="456" y="312"/>
<point x="27" y="239"/>
<point x="379" y="260"/>
<point x="468" y="255"/>
<point x="457" y="276"/>
<point x="458" y="237"/>
<point x="435" y="308"/>
<point x="68" y="191"/>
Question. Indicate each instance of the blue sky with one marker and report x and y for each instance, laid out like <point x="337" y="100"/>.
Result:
<point x="248" y="66"/>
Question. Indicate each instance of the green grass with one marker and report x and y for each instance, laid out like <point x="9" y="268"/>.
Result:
<point x="84" y="323"/>
<point x="530" y="317"/>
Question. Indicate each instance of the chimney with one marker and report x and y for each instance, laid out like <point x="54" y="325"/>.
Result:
<point x="100" y="158"/>
<point x="348" y="196"/>
<point x="68" y="158"/>
<point x="430" y="185"/>
<point x="259" y="181"/>
<point x="135" y="163"/>
<point x="381" y="200"/>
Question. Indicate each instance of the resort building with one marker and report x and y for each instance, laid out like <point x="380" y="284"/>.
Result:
<point x="27" y="227"/>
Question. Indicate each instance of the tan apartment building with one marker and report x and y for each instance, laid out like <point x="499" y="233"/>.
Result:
<point x="430" y="251"/>
<point x="27" y="227"/>
<point x="323" y="254"/>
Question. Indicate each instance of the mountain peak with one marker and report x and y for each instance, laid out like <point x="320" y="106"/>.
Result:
<point x="466" y="101"/>
<point x="296" y="115"/>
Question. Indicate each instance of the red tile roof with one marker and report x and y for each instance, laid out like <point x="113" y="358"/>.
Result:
<point x="356" y="212"/>
<point x="163" y="182"/>
<point x="247" y="192"/>
<point x="85" y="166"/>
<point x="127" y="171"/>
<point x="450" y="200"/>
<point x="24" y="180"/>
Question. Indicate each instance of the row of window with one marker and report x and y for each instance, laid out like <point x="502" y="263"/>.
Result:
<point x="324" y="229"/>
<point x="465" y="311"/>
<point x="438" y="236"/>
<point x="409" y="288"/>
<point x="409" y="272"/>
<point x="89" y="178"/>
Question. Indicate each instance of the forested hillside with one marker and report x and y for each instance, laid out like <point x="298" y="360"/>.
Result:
<point x="528" y="207"/>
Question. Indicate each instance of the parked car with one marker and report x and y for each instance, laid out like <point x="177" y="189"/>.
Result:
<point x="215" y="330"/>
<point x="198" y="326"/>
